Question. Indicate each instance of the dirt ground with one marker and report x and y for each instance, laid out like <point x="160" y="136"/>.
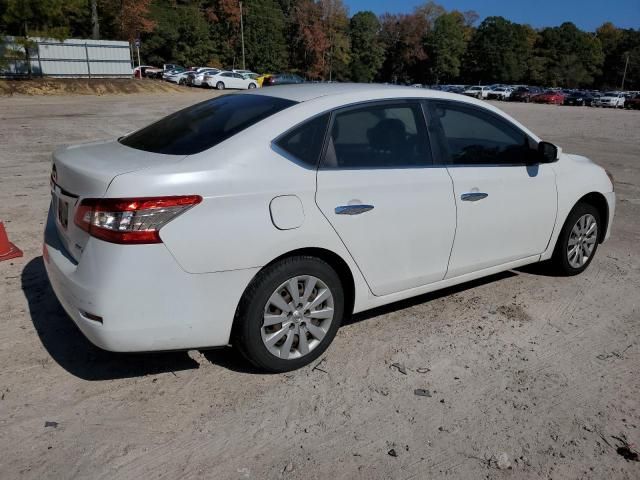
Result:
<point x="75" y="86"/>
<point x="529" y="376"/>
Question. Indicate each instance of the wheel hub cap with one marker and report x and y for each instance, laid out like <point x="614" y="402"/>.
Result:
<point x="582" y="241"/>
<point x="297" y="316"/>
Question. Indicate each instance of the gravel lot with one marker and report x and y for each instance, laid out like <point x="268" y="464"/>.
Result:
<point x="530" y="376"/>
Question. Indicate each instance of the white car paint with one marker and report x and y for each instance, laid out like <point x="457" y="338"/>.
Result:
<point x="259" y="205"/>
<point x="231" y="80"/>
<point x="500" y="93"/>
<point x="610" y="99"/>
<point x="477" y="91"/>
<point x="200" y="74"/>
<point x="178" y="78"/>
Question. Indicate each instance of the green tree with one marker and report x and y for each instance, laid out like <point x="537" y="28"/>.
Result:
<point x="367" y="52"/>
<point x="499" y="51"/>
<point x="265" y="41"/>
<point x="37" y="18"/>
<point x="403" y="37"/>
<point x="572" y="58"/>
<point x="618" y="45"/>
<point x="446" y="45"/>
<point x="181" y="35"/>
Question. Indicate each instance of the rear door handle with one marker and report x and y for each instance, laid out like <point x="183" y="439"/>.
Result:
<point x="352" y="209"/>
<point x="473" y="196"/>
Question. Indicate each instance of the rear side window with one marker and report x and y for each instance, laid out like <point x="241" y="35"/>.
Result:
<point x="378" y="136"/>
<point x="305" y="141"/>
<point x="204" y="125"/>
<point x="474" y="137"/>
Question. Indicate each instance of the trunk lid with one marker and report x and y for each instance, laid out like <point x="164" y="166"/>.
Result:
<point x="86" y="171"/>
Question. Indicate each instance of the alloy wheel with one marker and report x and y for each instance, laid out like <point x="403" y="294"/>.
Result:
<point x="297" y="316"/>
<point x="582" y="240"/>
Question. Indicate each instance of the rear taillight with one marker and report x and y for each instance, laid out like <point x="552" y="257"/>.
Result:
<point x="131" y="220"/>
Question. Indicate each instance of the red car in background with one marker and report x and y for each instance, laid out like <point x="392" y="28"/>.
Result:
<point x="550" y="96"/>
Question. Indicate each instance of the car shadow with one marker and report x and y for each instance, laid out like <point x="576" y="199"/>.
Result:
<point x="427" y="297"/>
<point x="72" y="351"/>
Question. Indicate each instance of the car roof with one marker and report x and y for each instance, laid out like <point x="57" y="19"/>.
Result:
<point x="309" y="91"/>
<point x="326" y="96"/>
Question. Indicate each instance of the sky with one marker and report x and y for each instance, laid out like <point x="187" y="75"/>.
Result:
<point x="586" y="14"/>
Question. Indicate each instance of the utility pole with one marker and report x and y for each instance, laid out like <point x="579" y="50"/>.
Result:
<point x="624" y="75"/>
<point x="95" y="22"/>
<point x="244" y="66"/>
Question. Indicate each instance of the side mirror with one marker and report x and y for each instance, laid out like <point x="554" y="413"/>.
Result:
<point x="548" y="152"/>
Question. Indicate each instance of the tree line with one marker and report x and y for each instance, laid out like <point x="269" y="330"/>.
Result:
<point x="321" y="41"/>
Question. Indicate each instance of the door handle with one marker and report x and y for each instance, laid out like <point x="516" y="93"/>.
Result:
<point x="352" y="209"/>
<point x="473" y="196"/>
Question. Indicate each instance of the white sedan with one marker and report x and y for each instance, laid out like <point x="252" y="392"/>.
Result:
<point x="477" y="91"/>
<point x="264" y="219"/>
<point x="499" y="93"/>
<point x="179" y="78"/>
<point x="234" y="80"/>
<point x="198" y="76"/>
<point x="610" y="99"/>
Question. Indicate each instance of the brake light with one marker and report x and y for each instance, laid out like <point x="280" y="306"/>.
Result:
<point x="131" y="220"/>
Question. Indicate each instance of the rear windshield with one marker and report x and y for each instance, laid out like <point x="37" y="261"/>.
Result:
<point x="205" y="124"/>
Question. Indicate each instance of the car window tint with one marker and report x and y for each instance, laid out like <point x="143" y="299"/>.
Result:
<point x="381" y="136"/>
<point x="205" y="124"/>
<point x="305" y="141"/>
<point x="475" y="137"/>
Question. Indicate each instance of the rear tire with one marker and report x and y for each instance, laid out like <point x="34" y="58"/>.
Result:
<point x="220" y="86"/>
<point x="258" y="320"/>
<point x="578" y="240"/>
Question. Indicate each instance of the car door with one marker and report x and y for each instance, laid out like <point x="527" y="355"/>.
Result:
<point x="377" y="186"/>
<point x="506" y="203"/>
<point x="239" y="81"/>
<point x="228" y="80"/>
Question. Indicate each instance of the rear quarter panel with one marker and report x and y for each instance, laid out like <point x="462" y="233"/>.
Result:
<point x="232" y="228"/>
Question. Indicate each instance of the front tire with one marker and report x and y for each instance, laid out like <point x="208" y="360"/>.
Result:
<point x="220" y="86"/>
<point x="251" y="86"/>
<point x="289" y="314"/>
<point x="578" y="240"/>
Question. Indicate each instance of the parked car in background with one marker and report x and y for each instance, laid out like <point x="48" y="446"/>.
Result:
<point x="173" y="71"/>
<point x="140" y="71"/>
<point x="499" y="93"/>
<point x="157" y="72"/>
<point x="554" y="97"/>
<point x="579" y="98"/>
<point x="282" y="79"/>
<point x="477" y="91"/>
<point x="153" y="72"/>
<point x="196" y="79"/>
<point x="610" y="99"/>
<point x="179" y="77"/>
<point x="633" y="102"/>
<point x="261" y="78"/>
<point x="451" y="88"/>
<point x="524" y="94"/>
<point x="252" y="76"/>
<point x="223" y="80"/>
<point x="237" y="222"/>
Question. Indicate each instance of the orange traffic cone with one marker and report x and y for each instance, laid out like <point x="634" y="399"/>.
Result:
<point x="7" y="249"/>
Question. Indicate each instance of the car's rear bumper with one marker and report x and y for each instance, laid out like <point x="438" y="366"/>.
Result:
<point x="145" y="301"/>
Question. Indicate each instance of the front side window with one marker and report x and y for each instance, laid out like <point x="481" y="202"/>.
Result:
<point x="305" y="141"/>
<point x="204" y="125"/>
<point x="378" y="136"/>
<point x="474" y="137"/>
